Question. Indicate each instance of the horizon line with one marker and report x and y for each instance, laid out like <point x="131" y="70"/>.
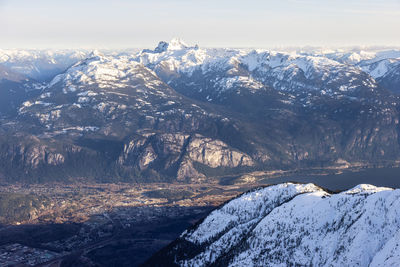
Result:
<point x="269" y="47"/>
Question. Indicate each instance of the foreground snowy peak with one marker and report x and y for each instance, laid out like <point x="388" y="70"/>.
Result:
<point x="295" y="225"/>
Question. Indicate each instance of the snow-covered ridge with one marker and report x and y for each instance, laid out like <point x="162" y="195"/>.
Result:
<point x="212" y="74"/>
<point x="381" y="68"/>
<point x="299" y="224"/>
<point x="177" y="55"/>
<point x="280" y="70"/>
<point x="100" y="70"/>
<point x="40" y="64"/>
<point x="355" y="57"/>
<point x="245" y="209"/>
<point x="375" y="63"/>
<point x="182" y="57"/>
<point x="170" y="60"/>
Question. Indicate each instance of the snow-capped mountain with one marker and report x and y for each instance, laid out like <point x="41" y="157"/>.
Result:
<point x="182" y="112"/>
<point x="115" y="90"/>
<point x="357" y="56"/>
<point x="40" y="65"/>
<point x="211" y="72"/>
<point x="294" y="225"/>
<point x="24" y="72"/>
<point x="15" y="88"/>
<point x="151" y="126"/>
<point x="383" y="66"/>
<point x="390" y="79"/>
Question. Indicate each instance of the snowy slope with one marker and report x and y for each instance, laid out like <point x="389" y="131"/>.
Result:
<point x="104" y="71"/>
<point x="211" y="73"/>
<point x="40" y="65"/>
<point x="227" y="69"/>
<point x="380" y="68"/>
<point x="297" y="225"/>
<point x="375" y="63"/>
<point x="176" y="56"/>
<point x="113" y="88"/>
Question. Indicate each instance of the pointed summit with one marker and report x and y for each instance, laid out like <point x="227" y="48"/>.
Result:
<point x="177" y="44"/>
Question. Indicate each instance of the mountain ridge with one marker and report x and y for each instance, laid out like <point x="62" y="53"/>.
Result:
<point x="185" y="113"/>
<point x="288" y="224"/>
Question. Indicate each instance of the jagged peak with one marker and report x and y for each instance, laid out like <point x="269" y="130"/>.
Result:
<point x="161" y="47"/>
<point x="177" y="44"/>
<point x="174" y="44"/>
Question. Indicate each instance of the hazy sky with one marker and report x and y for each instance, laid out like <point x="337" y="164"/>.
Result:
<point x="212" y="23"/>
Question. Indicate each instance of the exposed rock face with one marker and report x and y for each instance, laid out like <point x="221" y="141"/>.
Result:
<point x="34" y="155"/>
<point x="294" y="225"/>
<point x="187" y="172"/>
<point x="215" y="153"/>
<point x="29" y="159"/>
<point x="177" y="152"/>
<point x="148" y="148"/>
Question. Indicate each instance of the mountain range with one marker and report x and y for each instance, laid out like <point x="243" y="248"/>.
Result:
<point x="181" y="113"/>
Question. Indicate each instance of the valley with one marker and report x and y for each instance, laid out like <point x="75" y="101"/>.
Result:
<point x="125" y="224"/>
<point x="199" y="133"/>
<point x="106" y="157"/>
<point x="83" y="223"/>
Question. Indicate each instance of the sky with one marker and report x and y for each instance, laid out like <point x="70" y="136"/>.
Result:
<point x="120" y="24"/>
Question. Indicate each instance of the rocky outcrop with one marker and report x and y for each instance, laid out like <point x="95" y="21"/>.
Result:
<point x="31" y="159"/>
<point x="33" y="155"/>
<point x="176" y="153"/>
<point x="187" y="172"/>
<point x="215" y="153"/>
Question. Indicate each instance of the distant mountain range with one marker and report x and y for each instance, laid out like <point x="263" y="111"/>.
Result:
<point x="294" y="225"/>
<point x="189" y="114"/>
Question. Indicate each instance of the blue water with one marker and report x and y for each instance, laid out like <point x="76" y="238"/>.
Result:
<point x="389" y="177"/>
